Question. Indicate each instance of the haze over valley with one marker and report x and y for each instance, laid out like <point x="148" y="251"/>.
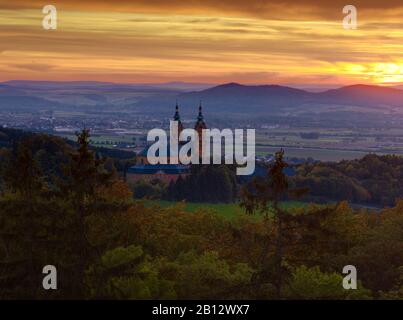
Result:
<point x="330" y="125"/>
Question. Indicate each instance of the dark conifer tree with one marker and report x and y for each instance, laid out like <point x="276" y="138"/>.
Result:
<point x="83" y="177"/>
<point x="264" y="196"/>
<point x="19" y="220"/>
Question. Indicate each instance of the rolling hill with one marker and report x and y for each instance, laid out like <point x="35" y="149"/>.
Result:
<point x="363" y="95"/>
<point x="237" y="98"/>
<point x="226" y="98"/>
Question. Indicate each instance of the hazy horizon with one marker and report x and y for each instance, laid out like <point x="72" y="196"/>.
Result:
<point x="203" y="86"/>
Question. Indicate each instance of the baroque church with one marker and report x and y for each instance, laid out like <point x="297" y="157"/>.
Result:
<point x="143" y="170"/>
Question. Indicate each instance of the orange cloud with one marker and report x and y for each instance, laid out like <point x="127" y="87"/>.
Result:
<point x="279" y="9"/>
<point x="203" y="41"/>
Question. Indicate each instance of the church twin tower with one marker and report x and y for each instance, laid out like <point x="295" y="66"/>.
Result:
<point x="199" y="126"/>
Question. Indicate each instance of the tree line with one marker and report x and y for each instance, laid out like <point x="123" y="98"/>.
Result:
<point x="373" y="179"/>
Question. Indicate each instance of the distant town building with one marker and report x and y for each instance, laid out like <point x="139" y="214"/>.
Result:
<point x="143" y="170"/>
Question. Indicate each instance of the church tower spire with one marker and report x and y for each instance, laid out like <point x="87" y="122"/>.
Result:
<point x="199" y="126"/>
<point x="177" y="117"/>
<point x="200" y="118"/>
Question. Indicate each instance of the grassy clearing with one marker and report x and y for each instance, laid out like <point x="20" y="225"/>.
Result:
<point x="227" y="210"/>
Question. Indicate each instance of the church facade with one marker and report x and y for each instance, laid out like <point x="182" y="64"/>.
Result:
<point x="168" y="172"/>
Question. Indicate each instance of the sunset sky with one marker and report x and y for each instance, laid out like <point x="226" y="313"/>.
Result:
<point x="208" y="41"/>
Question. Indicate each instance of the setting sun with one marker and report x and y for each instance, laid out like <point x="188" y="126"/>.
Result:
<point x="387" y="72"/>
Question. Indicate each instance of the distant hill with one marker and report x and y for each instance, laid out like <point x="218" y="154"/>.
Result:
<point x="46" y="85"/>
<point x="363" y="95"/>
<point x="14" y="102"/>
<point x="53" y="84"/>
<point x="33" y="95"/>
<point x="233" y="97"/>
<point x="226" y="98"/>
<point x="9" y="90"/>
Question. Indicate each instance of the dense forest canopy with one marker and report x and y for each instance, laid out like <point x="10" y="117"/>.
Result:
<point x="373" y="179"/>
<point x="64" y="205"/>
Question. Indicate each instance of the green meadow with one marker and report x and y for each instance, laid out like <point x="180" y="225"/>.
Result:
<point x="227" y="210"/>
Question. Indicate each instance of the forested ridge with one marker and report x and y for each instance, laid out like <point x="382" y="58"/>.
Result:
<point x="373" y="179"/>
<point x="65" y="205"/>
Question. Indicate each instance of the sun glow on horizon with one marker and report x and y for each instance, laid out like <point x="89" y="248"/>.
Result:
<point x="376" y="73"/>
<point x="388" y="72"/>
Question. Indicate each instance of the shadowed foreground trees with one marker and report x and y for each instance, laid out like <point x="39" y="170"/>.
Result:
<point x="49" y="223"/>
<point x="263" y="196"/>
<point x="105" y="245"/>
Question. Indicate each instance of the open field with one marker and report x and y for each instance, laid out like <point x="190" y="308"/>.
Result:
<point x="329" y="144"/>
<point x="317" y="154"/>
<point x="227" y="210"/>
